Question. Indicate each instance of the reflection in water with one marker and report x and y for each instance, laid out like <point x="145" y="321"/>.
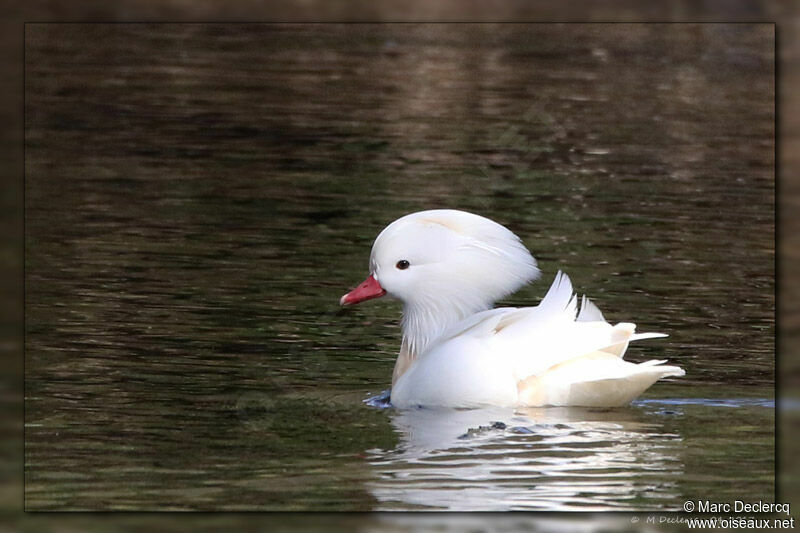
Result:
<point x="497" y="459"/>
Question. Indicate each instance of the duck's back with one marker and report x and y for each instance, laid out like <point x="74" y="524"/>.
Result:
<point x="544" y="355"/>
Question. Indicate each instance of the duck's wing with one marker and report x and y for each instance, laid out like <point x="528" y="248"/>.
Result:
<point x="576" y="359"/>
<point x="558" y="303"/>
<point x="555" y="353"/>
<point x="478" y="325"/>
<point x="550" y="333"/>
<point x="554" y="332"/>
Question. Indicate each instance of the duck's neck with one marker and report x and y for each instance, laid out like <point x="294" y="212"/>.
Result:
<point x="424" y="322"/>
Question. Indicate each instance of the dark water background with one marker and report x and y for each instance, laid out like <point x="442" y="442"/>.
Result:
<point x="198" y="197"/>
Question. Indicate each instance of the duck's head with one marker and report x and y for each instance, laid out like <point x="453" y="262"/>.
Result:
<point x="445" y="265"/>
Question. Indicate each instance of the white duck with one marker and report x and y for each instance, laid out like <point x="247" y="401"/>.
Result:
<point x="448" y="268"/>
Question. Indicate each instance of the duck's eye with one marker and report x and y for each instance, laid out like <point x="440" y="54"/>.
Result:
<point x="402" y="264"/>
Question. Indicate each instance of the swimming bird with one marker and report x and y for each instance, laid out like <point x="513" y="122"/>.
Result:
<point x="448" y="268"/>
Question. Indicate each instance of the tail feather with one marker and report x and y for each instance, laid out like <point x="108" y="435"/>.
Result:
<point x="613" y="392"/>
<point x="643" y="336"/>
<point x="622" y="334"/>
<point x="598" y="379"/>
